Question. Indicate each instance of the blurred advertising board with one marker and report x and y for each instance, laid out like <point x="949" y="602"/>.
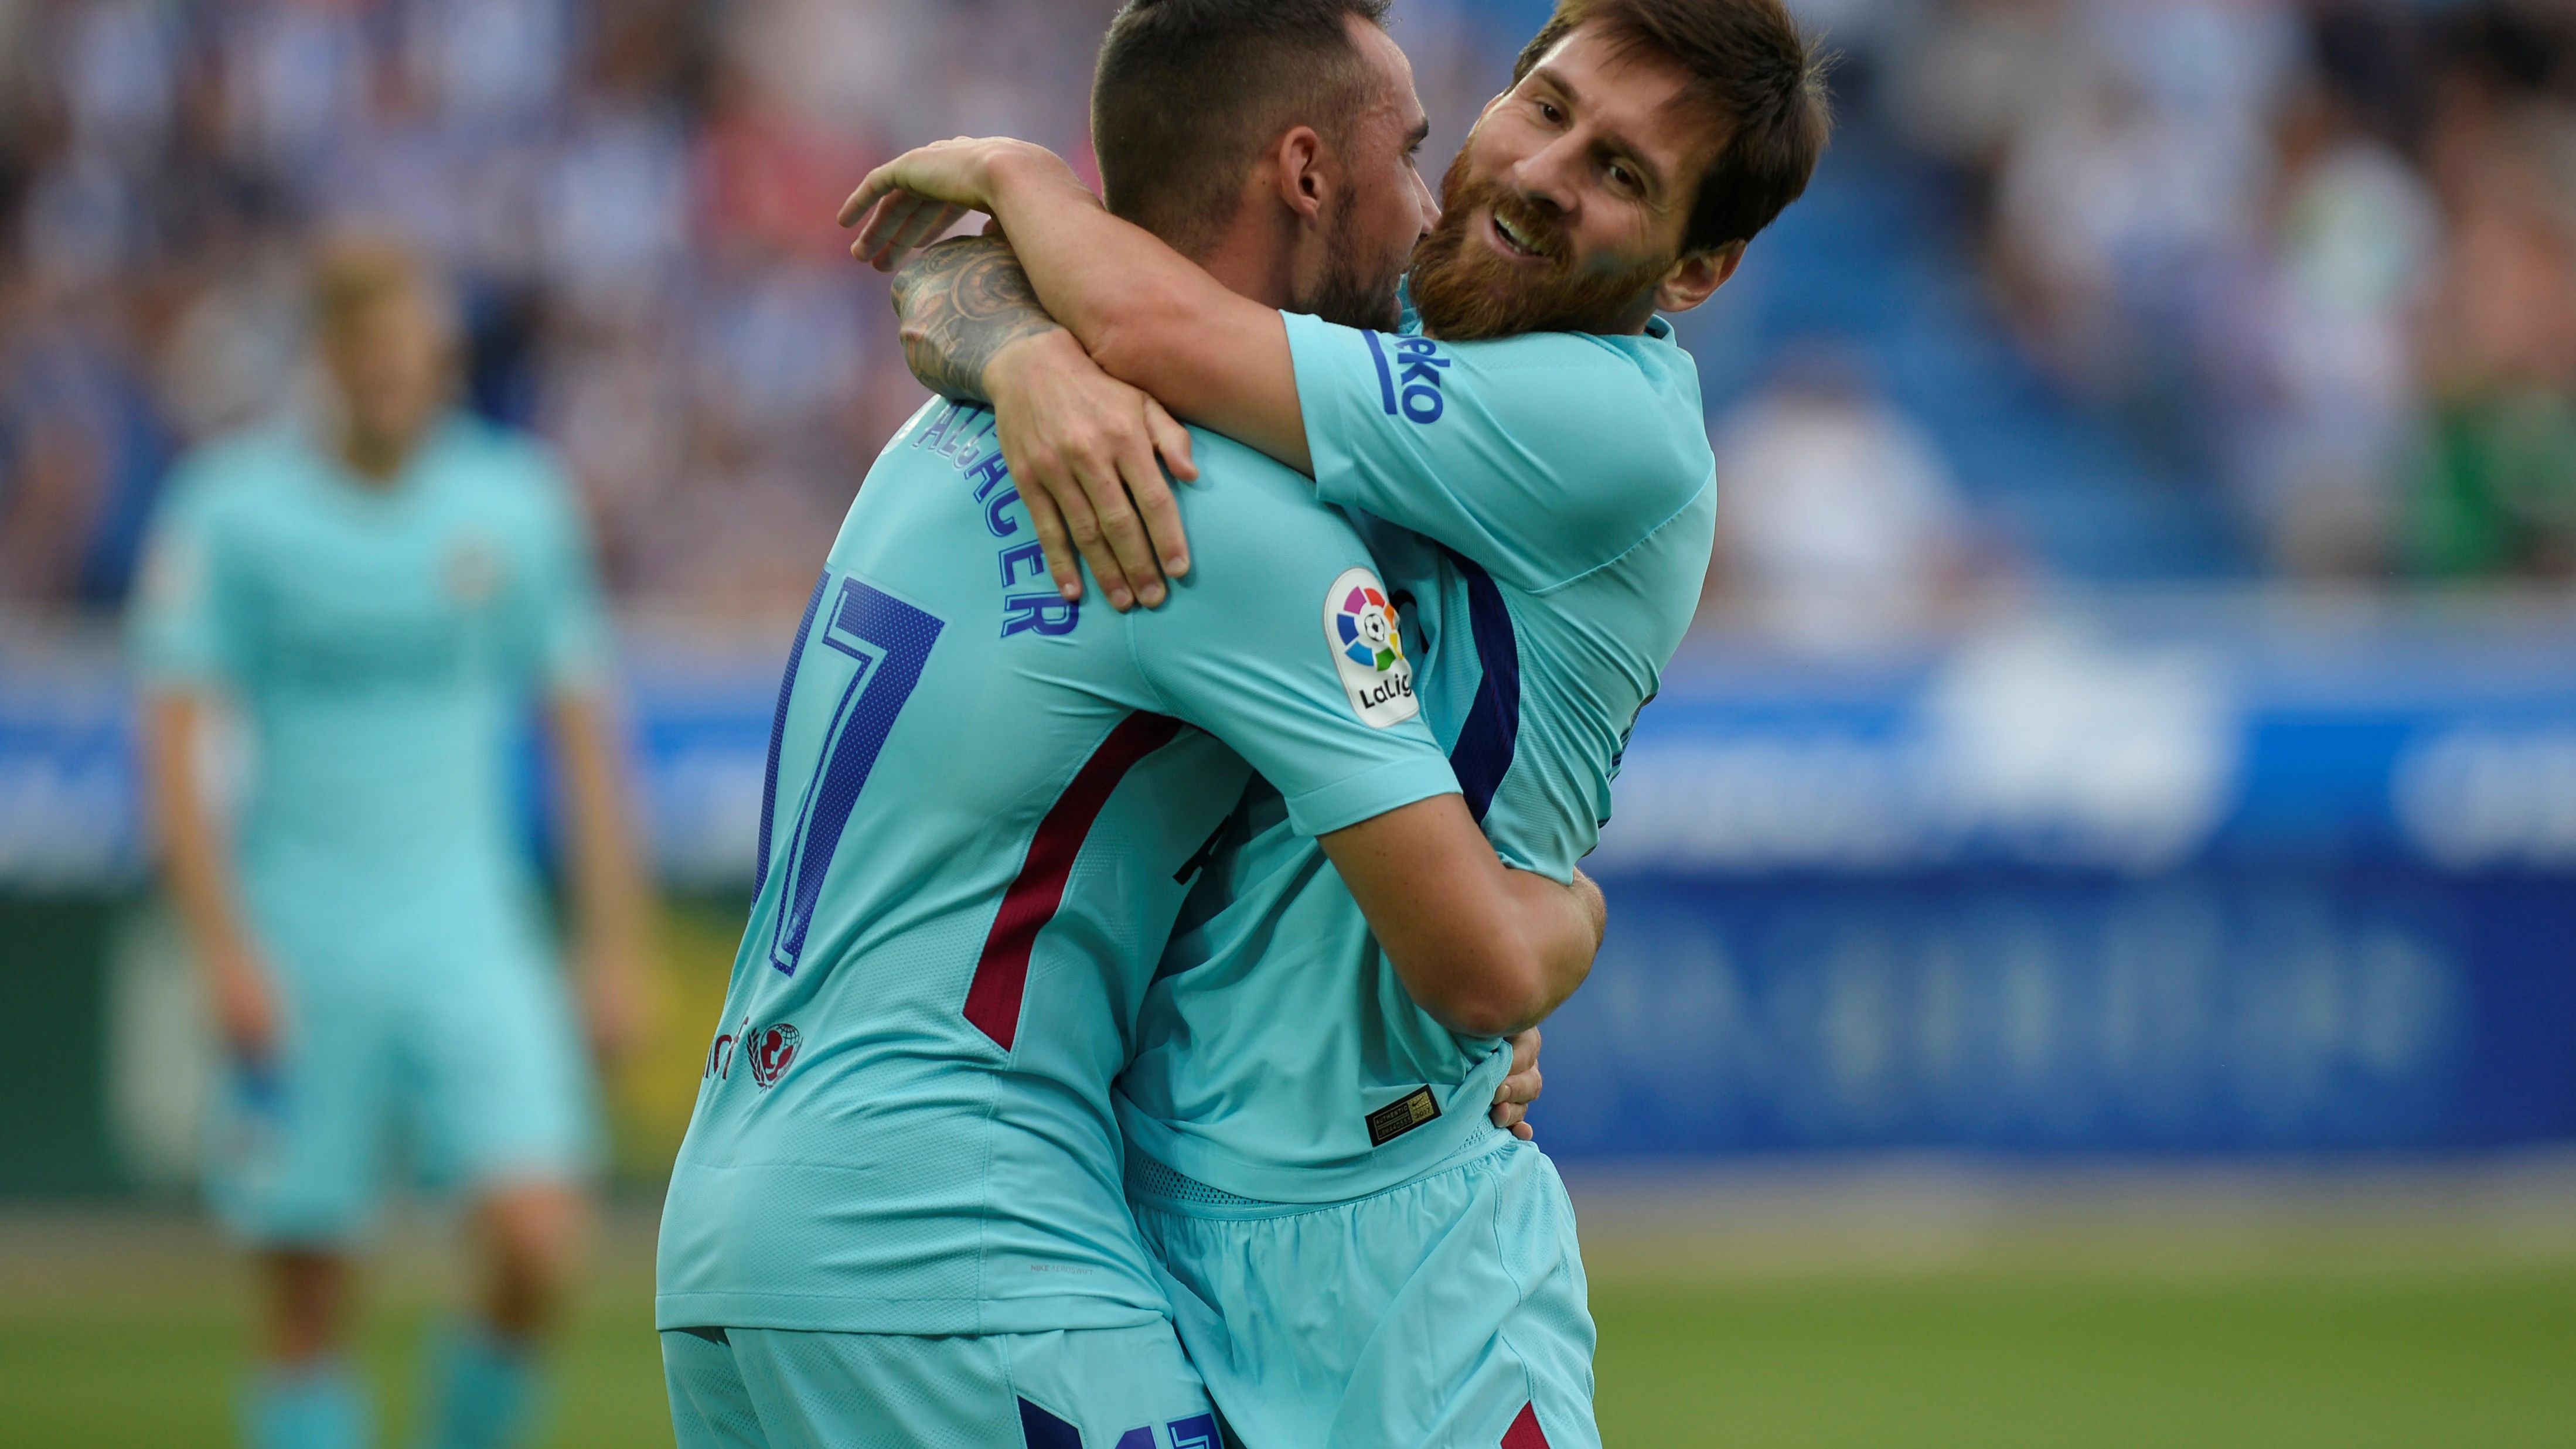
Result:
<point x="2165" y="890"/>
<point x="2186" y="892"/>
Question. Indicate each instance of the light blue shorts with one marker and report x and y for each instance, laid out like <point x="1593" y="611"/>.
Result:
<point x="471" y="1072"/>
<point x="1449" y="1313"/>
<point x="767" y="1388"/>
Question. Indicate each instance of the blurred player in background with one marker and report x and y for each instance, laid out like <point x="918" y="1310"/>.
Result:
<point x="1350" y="1260"/>
<point x="380" y="594"/>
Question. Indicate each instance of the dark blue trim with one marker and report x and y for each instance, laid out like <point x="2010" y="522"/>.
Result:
<point x="778" y="734"/>
<point x="1492" y="732"/>
<point x="1042" y="1430"/>
<point x="1385" y="375"/>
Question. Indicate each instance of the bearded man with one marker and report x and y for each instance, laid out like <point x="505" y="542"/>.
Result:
<point x="1352" y="1260"/>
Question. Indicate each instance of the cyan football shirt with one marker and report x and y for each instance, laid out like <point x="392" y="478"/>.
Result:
<point x="1542" y="507"/>
<point x="381" y="644"/>
<point x="986" y="807"/>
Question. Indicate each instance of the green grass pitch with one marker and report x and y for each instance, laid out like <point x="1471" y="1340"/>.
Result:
<point x="114" y="1335"/>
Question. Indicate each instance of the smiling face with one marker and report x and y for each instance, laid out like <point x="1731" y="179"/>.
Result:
<point x="1566" y="209"/>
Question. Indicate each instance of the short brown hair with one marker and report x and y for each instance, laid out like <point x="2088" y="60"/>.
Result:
<point x="1749" y="65"/>
<point x="1188" y="92"/>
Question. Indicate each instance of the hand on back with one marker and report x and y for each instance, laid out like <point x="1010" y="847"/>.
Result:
<point x="1088" y="454"/>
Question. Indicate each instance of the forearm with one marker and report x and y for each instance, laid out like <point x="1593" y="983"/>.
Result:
<point x="961" y="303"/>
<point x="1485" y="949"/>
<point x="1095" y="273"/>
<point x="1563" y="925"/>
<point x="608" y="880"/>
<point x="196" y="860"/>
<point x="1149" y="316"/>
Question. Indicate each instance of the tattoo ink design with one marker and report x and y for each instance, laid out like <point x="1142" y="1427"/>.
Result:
<point x="961" y="302"/>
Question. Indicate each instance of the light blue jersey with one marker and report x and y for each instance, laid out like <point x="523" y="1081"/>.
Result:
<point x="1543" y="508"/>
<point x="986" y="806"/>
<point x="384" y="647"/>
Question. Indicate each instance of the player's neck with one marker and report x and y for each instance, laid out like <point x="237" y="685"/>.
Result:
<point x="377" y="458"/>
<point x="1254" y="258"/>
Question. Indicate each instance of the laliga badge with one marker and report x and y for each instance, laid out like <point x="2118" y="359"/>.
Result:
<point x="1368" y="649"/>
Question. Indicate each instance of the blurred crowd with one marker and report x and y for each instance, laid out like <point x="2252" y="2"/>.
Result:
<point x="2324" y="253"/>
<point x="2321" y="255"/>
<point x="634" y="198"/>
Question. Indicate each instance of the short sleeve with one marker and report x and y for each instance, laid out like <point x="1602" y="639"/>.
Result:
<point x="185" y="623"/>
<point x="1283" y="644"/>
<point x="572" y="640"/>
<point x="1541" y="457"/>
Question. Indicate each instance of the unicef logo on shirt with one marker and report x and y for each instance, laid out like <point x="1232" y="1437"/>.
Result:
<point x="772" y="1053"/>
<point x="1368" y="650"/>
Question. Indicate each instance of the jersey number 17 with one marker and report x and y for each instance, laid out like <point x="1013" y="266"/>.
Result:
<point x="889" y="642"/>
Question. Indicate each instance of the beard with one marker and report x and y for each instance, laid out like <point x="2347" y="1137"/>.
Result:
<point x="1465" y="292"/>
<point x="1345" y="294"/>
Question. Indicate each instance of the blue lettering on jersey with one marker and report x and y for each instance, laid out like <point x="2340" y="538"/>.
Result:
<point x="1001" y="527"/>
<point x="954" y="432"/>
<point x="1195" y="1432"/>
<point x="957" y="435"/>
<point x="1031" y="554"/>
<point x="1414" y="392"/>
<point x="1048" y="614"/>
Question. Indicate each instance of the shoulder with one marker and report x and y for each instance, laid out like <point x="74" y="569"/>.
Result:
<point x="1245" y="494"/>
<point x="239" y="474"/>
<point x="506" y="470"/>
<point x="1637" y="399"/>
<point x="501" y="454"/>
<point x="1627" y="409"/>
<point x="1648" y="374"/>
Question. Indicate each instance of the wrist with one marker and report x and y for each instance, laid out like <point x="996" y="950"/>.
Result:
<point x="1012" y="168"/>
<point x="1013" y="361"/>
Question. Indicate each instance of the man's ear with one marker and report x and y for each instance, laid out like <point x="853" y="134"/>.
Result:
<point x="1697" y="276"/>
<point x="1297" y="159"/>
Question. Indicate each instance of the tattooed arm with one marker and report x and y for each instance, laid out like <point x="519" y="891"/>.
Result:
<point x="1080" y="444"/>
<point x="962" y="302"/>
<point x="1147" y="314"/>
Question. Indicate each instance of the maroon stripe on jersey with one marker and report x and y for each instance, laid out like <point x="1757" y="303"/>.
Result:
<point x="1002" y="972"/>
<point x="1524" y="1432"/>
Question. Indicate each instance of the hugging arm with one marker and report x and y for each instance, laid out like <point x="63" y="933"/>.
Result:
<point x="1486" y="949"/>
<point x="1150" y="316"/>
<point x="1082" y="446"/>
<point x="962" y="302"/>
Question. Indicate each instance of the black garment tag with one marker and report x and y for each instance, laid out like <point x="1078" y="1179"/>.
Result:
<point x="1396" y="1118"/>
